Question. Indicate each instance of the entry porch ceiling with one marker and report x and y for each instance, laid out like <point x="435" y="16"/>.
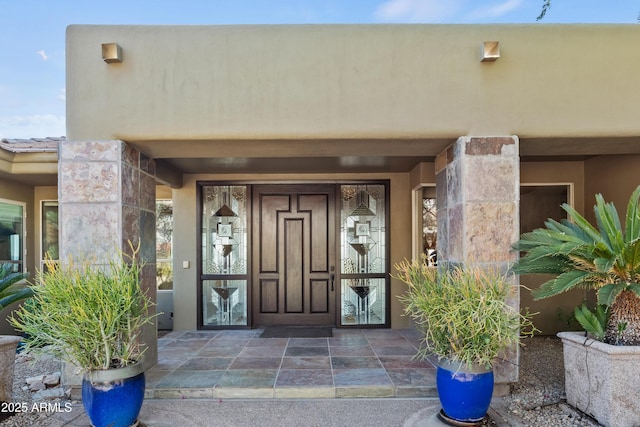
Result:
<point x="354" y="155"/>
<point x="294" y="156"/>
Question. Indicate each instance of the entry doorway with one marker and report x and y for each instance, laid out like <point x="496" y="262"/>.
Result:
<point x="297" y="254"/>
<point x="294" y="255"/>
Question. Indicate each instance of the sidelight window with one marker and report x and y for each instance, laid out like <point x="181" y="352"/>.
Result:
<point x="363" y="248"/>
<point x="224" y="255"/>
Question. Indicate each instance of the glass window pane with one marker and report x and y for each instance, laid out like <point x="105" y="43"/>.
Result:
<point x="429" y="225"/>
<point x="363" y="301"/>
<point x="12" y="234"/>
<point x="224" y="302"/>
<point x="363" y="239"/>
<point x="50" y="249"/>
<point x="164" y="245"/>
<point x="363" y="254"/>
<point x="224" y="230"/>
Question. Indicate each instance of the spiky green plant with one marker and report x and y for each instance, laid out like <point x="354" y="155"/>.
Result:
<point x="579" y="255"/>
<point x="89" y="316"/>
<point x="462" y="311"/>
<point x="10" y="290"/>
<point x="593" y="321"/>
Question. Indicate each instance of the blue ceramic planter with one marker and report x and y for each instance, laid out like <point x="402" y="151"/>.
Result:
<point x="113" y="398"/>
<point x="465" y="394"/>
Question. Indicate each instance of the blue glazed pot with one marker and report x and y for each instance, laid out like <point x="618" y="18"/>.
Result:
<point x="113" y="397"/>
<point x="465" y="394"/>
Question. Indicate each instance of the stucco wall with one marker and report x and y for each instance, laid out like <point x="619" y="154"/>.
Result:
<point x="615" y="177"/>
<point x="331" y="81"/>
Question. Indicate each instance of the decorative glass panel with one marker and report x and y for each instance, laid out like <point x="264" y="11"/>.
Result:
<point x="429" y="226"/>
<point x="224" y="255"/>
<point x="363" y="301"/>
<point x="363" y="254"/>
<point x="164" y="245"/>
<point x="224" y="230"/>
<point x="224" y="302"/>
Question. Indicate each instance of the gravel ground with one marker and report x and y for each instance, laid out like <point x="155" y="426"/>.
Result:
<point x="536" y="401"/>
<point x="27" y="366"/>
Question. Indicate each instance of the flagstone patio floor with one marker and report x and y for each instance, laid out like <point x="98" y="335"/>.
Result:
<point x="239" y="364"/>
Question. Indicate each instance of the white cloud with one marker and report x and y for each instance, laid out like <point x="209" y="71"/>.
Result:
<point x="33" y="126"/>
<point x="494" y="10"/>
<point x="417" y="10"/>
<point x="62" y="96"/>
<point x="42" y="55"/>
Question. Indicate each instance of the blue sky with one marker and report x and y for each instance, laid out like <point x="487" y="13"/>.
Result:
<point x="32" y="74"/>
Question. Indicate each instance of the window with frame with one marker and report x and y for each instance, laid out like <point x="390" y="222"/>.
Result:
<point x="50" y="249"/>
<point x="12" y="233"/>
<point x="164" y="244"/>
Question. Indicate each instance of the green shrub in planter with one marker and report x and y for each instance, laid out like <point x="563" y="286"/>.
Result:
<point x="89" y="316"/>
<point x="604" y="257"/>
<point x="462" y="311"/>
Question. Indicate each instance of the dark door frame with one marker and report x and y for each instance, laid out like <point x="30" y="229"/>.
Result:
<point x="249" y="276"/>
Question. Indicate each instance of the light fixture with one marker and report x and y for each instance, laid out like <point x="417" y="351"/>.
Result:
<point x="111" y="52"/>
<point x="490" y="51"/>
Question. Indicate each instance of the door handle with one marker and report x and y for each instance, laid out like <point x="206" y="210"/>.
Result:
<point x="332" y="277"/>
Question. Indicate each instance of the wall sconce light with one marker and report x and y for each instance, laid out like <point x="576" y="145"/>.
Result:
<point x="111" y="52"/>
<point x="490" y="51"/>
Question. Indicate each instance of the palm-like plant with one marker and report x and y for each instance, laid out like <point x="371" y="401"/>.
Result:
<point x="579" y="255"/>
<point x="10" y="291"/>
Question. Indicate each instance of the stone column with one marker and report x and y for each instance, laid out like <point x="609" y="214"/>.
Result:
<point x="106" y="198"/>
<point x="477" y="199"/>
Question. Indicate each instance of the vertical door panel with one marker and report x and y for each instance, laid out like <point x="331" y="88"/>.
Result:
<point x="294" y="265"/>
<point x="294" y="239"/>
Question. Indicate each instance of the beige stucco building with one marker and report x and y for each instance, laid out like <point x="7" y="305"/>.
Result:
<point x="302" y="161"/>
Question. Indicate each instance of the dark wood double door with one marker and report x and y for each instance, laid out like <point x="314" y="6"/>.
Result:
<point x="293" y="255"/>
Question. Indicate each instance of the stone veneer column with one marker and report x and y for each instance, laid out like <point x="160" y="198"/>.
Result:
<point x="106" y="198"/>
<point x="477" y="199"/>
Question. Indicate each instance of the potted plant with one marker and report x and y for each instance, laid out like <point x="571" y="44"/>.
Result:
<point x="600" y="372"/>
<point x="12" y="289"/>
<point x="92" y="317"/>
<point x="466" y="322"/>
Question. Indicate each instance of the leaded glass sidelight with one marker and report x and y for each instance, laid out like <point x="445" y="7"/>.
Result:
<point x="224" y="302"/>
<point x="224" y="255"/>
<point x="363" y="254"/>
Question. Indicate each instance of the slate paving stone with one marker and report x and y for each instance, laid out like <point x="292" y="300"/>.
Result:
<point x="361" y="377"/>
<point x="237" y="363"/>
<point x="305" y="377"/>
<point x="395" y="350"/>
<point x="206" y="363"/>
<point x="256" y="363"/>
<point x="307" y="351"/>
<point x="269" y="351"/>
<point x="248" y="378"/>
<point x="213" y="351"/>
<point x="190" y="379"/>
<point x="306" y="362"/>
<point x="413" y="377"/>
<point x="355" y="362"/>
<point x="356" y="350"/>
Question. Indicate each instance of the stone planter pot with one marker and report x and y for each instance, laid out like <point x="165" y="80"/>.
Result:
<point x="8" y="346"/>
<point x="602" y="380"/>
